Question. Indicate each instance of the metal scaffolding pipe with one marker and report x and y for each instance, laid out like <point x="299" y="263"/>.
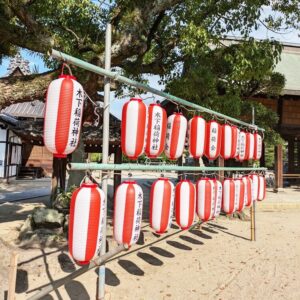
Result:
<point x="115" y="76"/>
<point x="137" y="167"/>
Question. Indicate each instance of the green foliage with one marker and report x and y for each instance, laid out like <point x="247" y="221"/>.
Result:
<point x="182" y="41"/>
<point x="225" y="77"/>
<point x="63" y="198"/>
<point x="95" y="157"/>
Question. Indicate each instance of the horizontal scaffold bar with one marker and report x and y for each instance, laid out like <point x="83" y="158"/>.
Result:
<point x="117" y="77"/>
<point x="140" y="167"/>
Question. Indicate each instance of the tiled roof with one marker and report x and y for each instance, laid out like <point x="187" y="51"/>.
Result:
<point x="34" y="109"/>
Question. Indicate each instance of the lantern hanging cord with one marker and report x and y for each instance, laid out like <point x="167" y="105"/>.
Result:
<point x="68" y="67"/>
<point x="96" y="106"/>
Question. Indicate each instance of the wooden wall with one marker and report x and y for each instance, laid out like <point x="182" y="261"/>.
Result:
<point x="291" y="112"/>
<point x="290" y="109"/>
<point x="37" y="156"/>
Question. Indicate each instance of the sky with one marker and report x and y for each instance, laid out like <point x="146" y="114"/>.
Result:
<point x="116" y="104"/>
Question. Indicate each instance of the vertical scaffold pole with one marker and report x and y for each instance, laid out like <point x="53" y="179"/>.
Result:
<point x="252" y="208"/>
<point x="105" y="154"/>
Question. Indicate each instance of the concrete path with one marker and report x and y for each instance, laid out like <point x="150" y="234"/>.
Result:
<point x="18" y="190"/>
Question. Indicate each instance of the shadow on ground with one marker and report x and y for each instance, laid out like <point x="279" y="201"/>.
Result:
<point x="131" y="267"/>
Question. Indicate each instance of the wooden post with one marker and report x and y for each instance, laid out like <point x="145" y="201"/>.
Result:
<point x="196" y="164"/>
<point x="220" y="163"/>
<point x="252" y="220"/>
<point x="63" y="173"/>
<point x="291" y="155"/>
<point x="179" y="163"/>
<point x="54" y="179"/>
<point x="12" y="276"/>
<point x="262" y="160"/>
<point x="278" y="168"/>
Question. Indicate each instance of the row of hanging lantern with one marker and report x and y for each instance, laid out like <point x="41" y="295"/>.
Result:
<point x="149" y="131"/>
<point x="144" y="130"/>
<point x="206" y="198"/>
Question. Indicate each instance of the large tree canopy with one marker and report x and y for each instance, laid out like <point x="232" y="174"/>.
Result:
<point x="180" y="40"/>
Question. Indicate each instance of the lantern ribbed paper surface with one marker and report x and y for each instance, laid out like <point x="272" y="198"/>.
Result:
<point x="230" y="141"/>
<point x="255" y="186"/>
<point x="161" y="205"/>
<point x="257" y="146"/>
<point x="197" y="136"/>
<point x="262" y="188"/>
<point x="229" y="196"/>
<point x="218" y="197"/>
<point x="128" y="210"/>
<point x="175" y="137"/>
<point x="213" y="142"/>
<point x="250" y="145"/>
<point x="235" y="142"/>
<point x="156" y="133"/>
<point x="240" y="194"/>
<point x="185" y="200"/>
<point x="133" y="129"/>
<point x="87" y="210"/>
<point x="63" y="115"/>
<point x="248" y="190"/>
<point x="205" y="199"/>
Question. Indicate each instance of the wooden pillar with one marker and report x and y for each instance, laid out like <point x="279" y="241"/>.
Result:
<point x="262" y="161"/>
<point x="196" y="164"/>
<point x="63" y="174"/>
<point x="117" y="160"/>
<point x="278" y="167"/>
<point x="179" y="163"/>
<point x="221" y="164"/>
<point x="298" y="156"/>
<point x="54" y="180"/>
<point x="291" y="155"/>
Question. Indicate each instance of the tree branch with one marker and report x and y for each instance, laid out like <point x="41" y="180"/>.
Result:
<point x="25" y="88"/>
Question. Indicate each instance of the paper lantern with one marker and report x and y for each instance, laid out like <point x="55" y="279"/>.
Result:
<point x="218" y="197"/>
<point x="205" y="199"/>
<point x="161" y="205"/>
<point x="63" y="115"/>
<point x="243" y="147"/>
<point x="133" y="129"/>
<point x="255" y="186"/>
<point x="229" y="196"/>
<point x="175" y="137"/>
<point x="128" y="210"/>
<point x="239" y="194"/>
<point x="213" y="143"/>
<point x="230" y="141"/>
<point x="250" y="145"/>
<point x="197" y="136"/>
<point x="156" y="133"/>
<point x="248" y="190"/>
<point x="262" y="188"/>
<point x="235" y="142"/>
<point x="185" y="198"/>
<point x="257" y="146"/>
<point x="87" y="210"/>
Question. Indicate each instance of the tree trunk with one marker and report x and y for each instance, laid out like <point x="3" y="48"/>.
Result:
<point x="79" y="155"/>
